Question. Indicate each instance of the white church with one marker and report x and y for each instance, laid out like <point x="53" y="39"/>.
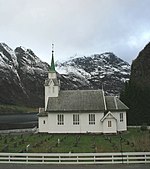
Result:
<point x="79" y="111"/>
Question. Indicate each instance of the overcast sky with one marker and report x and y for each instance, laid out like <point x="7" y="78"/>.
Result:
<point x="76" y="27"/>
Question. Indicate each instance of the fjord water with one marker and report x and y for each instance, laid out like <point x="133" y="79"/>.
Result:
<point x="18" y="121"/>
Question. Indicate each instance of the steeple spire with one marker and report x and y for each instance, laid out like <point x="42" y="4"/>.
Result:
<point x="52" y="68"/>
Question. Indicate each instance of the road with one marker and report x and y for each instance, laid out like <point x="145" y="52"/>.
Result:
<point x="114" y="166"/>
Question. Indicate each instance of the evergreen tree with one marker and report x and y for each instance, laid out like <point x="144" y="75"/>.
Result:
<point x="138" y="100"/>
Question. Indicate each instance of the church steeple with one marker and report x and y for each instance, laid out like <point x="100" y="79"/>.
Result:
<point x="52" y="84"/>
<point x="52" y="68"/>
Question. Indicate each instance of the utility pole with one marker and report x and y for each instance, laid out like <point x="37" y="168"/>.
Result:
<point x="121" y="150"/>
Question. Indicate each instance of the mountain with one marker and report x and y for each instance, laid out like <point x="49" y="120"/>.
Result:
<point x="140" y="73"/>
<point x="137" y="91"/>
<point x="22" y="75"/>
<point x="100" y="70"/>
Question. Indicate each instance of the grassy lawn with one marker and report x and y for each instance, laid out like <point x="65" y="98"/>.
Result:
<point x="10" y="109"/>
<point x="132" y="140"/>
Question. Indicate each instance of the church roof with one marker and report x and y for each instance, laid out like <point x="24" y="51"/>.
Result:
<point x="83" y="100"/>
<point x="42" y="114"/>
<point x="109" y="114"/>
<point x="113" y="103"/>
<point x="77" y="100"/>
<point x="52" y="68"/>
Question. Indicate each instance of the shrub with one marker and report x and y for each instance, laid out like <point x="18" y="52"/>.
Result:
<point x="144" y="127"/>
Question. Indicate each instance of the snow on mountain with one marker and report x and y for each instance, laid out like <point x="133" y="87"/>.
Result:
<point x="29" y="62"/>
<point x="68" y="68"/>
<point x="99" y="70"/>
<point x="9" y="55"/>
<point x="2" y="60"/>
<point x="22" y="76"/>
<point x="8" y="60"/>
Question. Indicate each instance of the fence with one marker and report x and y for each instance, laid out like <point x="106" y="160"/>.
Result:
<point x="75" y="158"/>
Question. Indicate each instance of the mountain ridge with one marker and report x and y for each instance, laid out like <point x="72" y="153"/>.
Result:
<point x="98" y="70"/>
<point x="22" y="75"/>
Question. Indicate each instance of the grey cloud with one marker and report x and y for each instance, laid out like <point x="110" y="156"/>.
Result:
<point x="76" y="26"/>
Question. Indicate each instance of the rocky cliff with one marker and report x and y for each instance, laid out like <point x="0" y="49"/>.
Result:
<point x="22" y="75"/>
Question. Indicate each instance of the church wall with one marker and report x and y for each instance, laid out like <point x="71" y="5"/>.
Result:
<point x="51" y="125"/>
<point x="42" y="124"/>
<point x="112" y="128"/>
<point x="68" y="126"/>
<point x="121" y="125"/>
<point x="52" y="75"/>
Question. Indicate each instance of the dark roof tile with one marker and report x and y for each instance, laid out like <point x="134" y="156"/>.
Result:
<point x="77" y="100"/>
<point x="84" y="100"/>
<point x="113" y="103"/>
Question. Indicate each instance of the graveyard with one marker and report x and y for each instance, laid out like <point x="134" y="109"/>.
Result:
<point x="134" y="140"/>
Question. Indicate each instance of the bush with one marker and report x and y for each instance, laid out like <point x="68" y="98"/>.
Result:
<point x="144" y="127"/>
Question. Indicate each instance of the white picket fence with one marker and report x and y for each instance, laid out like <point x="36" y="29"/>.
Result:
<point x="75" y="158"/>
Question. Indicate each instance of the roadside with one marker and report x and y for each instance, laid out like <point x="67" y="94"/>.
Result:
<point x="19" y="131"/>
<point x="114" y="166"/>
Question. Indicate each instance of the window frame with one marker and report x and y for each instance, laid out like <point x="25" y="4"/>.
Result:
<point x="76" y="119"/>
<point x="44" y="122"/>
<point x="60" y="119"/>
<point x="121" y="117"/>
<point x="109" y="124"/>
<point x="92" y="119"/>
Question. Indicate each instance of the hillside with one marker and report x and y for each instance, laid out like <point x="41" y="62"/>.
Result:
<point x="137" y="91"/>
<point x="140" y="69"/>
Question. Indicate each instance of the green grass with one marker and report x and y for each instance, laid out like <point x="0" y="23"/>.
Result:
<point x="132" y="140"/>
<point x="7" y="109"/>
